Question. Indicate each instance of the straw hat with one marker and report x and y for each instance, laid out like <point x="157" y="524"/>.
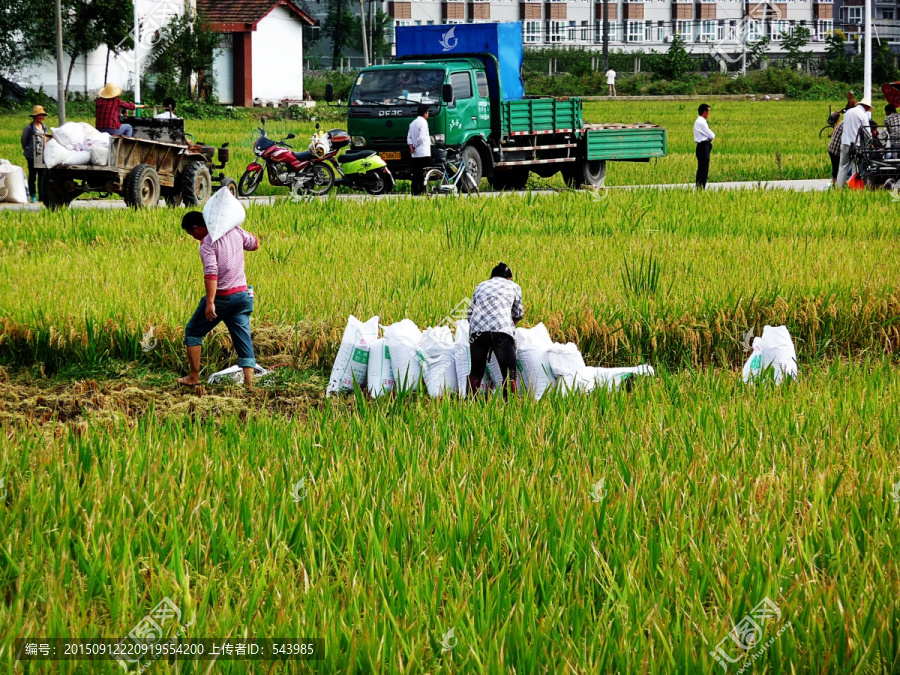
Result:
<point x="38" y="110"/>
<point x="866" y="102"/>
<point x="110" y="91"/>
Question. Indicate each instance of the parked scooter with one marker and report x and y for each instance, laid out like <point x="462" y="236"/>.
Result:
<point x="357" y="169"/>
<point x="304" y="172"/>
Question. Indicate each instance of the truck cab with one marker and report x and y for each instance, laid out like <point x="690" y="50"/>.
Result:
<point x="384" y="100"/>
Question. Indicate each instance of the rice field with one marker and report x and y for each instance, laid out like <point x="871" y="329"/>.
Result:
<point x="693" y="524"/>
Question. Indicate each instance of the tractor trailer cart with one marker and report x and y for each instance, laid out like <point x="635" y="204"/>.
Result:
<point x="470" y="77"/>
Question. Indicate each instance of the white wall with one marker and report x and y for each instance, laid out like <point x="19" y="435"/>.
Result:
<point x="278" y="56"/>
<point x="223" y="70"/>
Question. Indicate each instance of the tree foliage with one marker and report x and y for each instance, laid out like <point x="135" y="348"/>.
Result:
<point x="183" y="58"/>
<point x="794" y="42"/>
<point x="675" y="63"/>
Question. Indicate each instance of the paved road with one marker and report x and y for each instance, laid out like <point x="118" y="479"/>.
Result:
<point x="796" y="185"/>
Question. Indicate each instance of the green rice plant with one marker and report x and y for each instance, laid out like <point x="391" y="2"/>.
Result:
<point x="640" y="277"/>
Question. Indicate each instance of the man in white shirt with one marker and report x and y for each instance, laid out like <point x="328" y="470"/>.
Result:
<point x="703" y="137"/>
<point x="169" y="113"/>
<point x="611" y="81"/>
<point x="854" y="119"/>
<point x="419" y="141"/>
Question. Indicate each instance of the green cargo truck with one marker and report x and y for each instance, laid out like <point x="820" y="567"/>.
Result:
<point x="475" y="96"/>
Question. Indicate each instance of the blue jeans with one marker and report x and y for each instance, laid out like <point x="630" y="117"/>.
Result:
<point x="235" y="311"/>
<point x="123" y="130"/>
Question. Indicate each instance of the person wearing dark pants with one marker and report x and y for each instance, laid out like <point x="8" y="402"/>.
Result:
<point x="227" y="299"/>
<point x="36" y="127"/>
<point x="495" y="310"/>
<point x="703" y="137"/>
<point x="419" y="141"/>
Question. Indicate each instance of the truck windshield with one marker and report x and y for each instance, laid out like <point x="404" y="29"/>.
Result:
<point x="397" y="87"/>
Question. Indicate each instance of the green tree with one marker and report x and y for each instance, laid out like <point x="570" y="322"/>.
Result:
<point x="793" y="43"/>
<point x="758" y="51"/>
<point x="381" y="46"/>
<point x="15" y="52"/>
<point x="184" y="53"/>
<point x="342" y="28"/>
<point x="676" y="62"/>
<point x="837" y="63"/>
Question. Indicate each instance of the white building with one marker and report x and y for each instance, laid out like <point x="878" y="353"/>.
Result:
<point x="260" y="56"/>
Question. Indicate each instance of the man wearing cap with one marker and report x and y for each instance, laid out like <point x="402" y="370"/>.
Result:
<point x="227" y="296"/>
<point x="855" y="118"/>
<point x="495" y="310"/>
<point x="108" y="107"/>
<point x="35" y="127"/>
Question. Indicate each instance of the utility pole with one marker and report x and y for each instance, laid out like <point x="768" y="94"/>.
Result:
<point x="362" y="23"/>
<point x="867" y="58"/>
<point x="372" y="31"/>
<point x="60" y="75"/>
<point x="605" y="35"/>
<point x="137" y="59"/>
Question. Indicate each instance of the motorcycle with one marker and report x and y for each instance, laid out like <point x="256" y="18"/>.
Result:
<point x="356" y="169"/>
<point x="305" y="173"/>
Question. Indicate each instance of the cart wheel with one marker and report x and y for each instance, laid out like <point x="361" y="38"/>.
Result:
<point x="196" y="184"/>
<point x="142" y="187"/>
<point x="229" y="184"/>
<point x="53" y="195"/>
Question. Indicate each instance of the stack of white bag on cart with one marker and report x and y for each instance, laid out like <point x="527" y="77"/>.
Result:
<point x="76" y="143"/>
<point x="406" y="358"/>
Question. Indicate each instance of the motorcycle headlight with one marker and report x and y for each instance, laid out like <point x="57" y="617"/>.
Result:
<point x="358" y="142"/>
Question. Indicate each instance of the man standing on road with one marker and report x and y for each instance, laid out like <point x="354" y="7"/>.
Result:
<point x="611" y="81"/>
<point x="703" y="137"/>
<point x="419" y="141"/>
<point x="227" y="297"/>
<point x="854" y="119"/>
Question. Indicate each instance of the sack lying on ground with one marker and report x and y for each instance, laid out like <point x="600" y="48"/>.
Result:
<point x="773" y="350"/>
<point x="352" y="361"/>
<point x="70" y="135"/>
<point x="586" y="379"/>
<point x="55" y="153"/>
<point x="380" y="375"/>
<point x="223" y="212"/>
<point x="403" y="339"/>
<point x="565" y="360"/>
<point x="13" y="186"/>
<point x="236" y="374"/>
<point x="436" y="354"/>
<point x="533" y="360"/>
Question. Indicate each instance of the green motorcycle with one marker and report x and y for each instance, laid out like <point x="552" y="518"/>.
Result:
<point x="357" y="169"/>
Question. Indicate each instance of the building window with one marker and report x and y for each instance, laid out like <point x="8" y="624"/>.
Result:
<point x="555" y="31"/>
<point x="532" y="32"/>
<point x="571" y="33"/>
<point x="661" y="32"/>
<point x="612" y="28"/>
<point x="825" y="29"/>
<point x="635" y="31"/>
<point x="707" y="31"/>
<point x="685" y="30"/>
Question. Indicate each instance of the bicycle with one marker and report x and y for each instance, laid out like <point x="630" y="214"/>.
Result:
<point x="451" y="176"/>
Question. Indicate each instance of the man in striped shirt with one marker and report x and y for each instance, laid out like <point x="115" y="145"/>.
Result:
<point x="227" y="297"/>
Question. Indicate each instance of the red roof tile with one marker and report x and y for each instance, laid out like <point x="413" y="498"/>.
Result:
<point x="233" y="13"/>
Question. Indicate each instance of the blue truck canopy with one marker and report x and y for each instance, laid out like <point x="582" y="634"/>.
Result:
<point x="503" y="41"/>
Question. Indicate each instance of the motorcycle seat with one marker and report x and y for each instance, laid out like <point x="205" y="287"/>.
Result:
<point x="305" y="156"/>
<point x="348" y="157"/>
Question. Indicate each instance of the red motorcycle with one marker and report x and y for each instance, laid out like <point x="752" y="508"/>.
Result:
<point x="303" y="172"/>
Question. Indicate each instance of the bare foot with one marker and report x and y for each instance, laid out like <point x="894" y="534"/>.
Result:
<point x="187" y="381"/>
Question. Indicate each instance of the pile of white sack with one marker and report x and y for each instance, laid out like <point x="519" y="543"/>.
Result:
<point x="406" y="358"/>
<point x="76" y="143"/>
<point x="13" y="186"/>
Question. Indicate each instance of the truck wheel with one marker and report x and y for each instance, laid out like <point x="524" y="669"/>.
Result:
<point x="472" y="158"/>
<point x="514" y="179"/>
<point x="229" y="184"/>
<point x="172" y="196"/>
<point x="196" y="184"/>
<point x="142" y="187"/>
<point x="584" y="173"/>
<point x="53" y="195"/>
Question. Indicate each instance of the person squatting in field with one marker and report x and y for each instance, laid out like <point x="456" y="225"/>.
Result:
<point x="227" y="297"/>
<point x="495" y="310"/>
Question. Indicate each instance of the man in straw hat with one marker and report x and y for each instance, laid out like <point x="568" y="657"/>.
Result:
<point x="36" y="126"/>
<point x="108" y="106"/>
<point x="855" y="118"/>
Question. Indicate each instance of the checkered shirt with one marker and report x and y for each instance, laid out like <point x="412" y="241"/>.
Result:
<point x="108" y="112"/>
<point x="496" y="306"/>
<point x="892" y="122"/>
<point x="834" y="147"/>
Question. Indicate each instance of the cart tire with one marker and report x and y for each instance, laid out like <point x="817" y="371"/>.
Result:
<point x="142" y="187"/>
<point x="53" y="195"/>
<point x="249" y="182"/>
<point x="584" y="173"/>
<point x="196" y="184"/>
<point x="514" y="179"/>
<point x="229" y="184"/>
